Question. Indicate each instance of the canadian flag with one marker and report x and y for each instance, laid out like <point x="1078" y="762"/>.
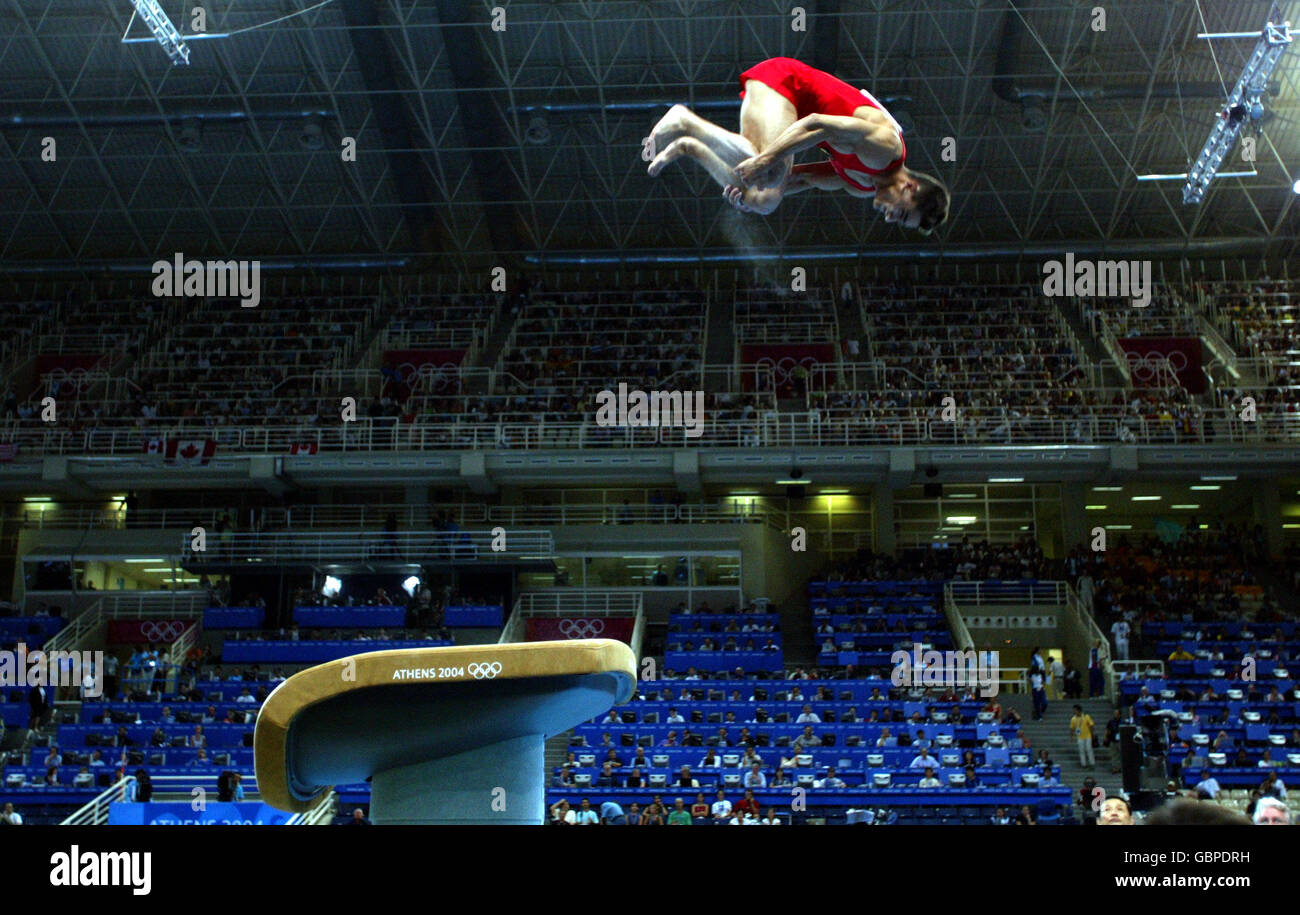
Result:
<point x="304" y="448"/>
<point x="154" y="446"/>
<point x="190" y="450"/>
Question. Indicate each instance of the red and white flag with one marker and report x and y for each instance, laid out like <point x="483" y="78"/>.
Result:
<point x="154" y="446"/>
<point x="190" y="451"/>
<point x="304" y="448"/>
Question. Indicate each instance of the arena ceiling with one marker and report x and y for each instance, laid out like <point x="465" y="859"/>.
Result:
<point x="479" y="144"/>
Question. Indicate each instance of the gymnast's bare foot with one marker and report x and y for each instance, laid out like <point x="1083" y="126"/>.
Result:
<point x="675" y="150"/>
<point x="672" y="125"/>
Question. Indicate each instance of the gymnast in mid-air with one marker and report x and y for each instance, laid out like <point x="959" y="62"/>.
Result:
<point x="790" y="107"/>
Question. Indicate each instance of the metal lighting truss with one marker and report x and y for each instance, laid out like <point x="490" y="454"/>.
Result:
<point x="1246" y="101"/>
<point x="163" y="30"/>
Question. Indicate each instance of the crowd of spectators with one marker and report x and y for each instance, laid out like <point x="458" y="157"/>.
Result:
<point x="1206" y="575"/>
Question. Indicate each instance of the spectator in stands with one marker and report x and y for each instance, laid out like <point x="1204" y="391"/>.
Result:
<point x="1081" y="729"/>
<point x="159" y="738"/>
<point x="1073" y="682"/>
<point x="685" y="779"/>
<point x="771" y="819"/>
<point x="674" y="717"/>
<point x="721" y="810"/>
<point x="1120" y="631"/>
<point x="654" y="813"/>
<point x="928" y="780"/>
<point x="605" y="778"/>
<point x="562" y="814"/>
<point x="585" y="816"/>
<point x="1115" y="811"/>
<point x="612" y="760"/>
<point x="611" y="814"/>
<point x="612" y="717"/>
<point x="636" y="779"/>
<point x="700" y="809"/>
<point x="886" y="739"/>
<point x="198" y="738"/>
<point x="1096" y="678"/>
<point x="9" y="816"/>
<point x="639" y="758"/>
<point x="755" y="778"/>
<point x="1207" y="789"/>
<point x="679" y="815"/>
<point x="780" y="779"/>
<point x="1272" y="786"/>
<point x="201" y="759"/>
<point x="1025" y="817"/>
<point x="1036" y="687"/>
<point x="747" y="806"/>
<point x="1269" y="811"/>
<point x="1000" y="817"/>
<point x="245" y="695"/>
<point x="807" y="739"/>
<point x="1057" y="678"/>
<point x="924" y="760"/>
<point x="831" y="780"/>
<point x="749" y="759"/>
<point x="54" y="757"/>
<point x="39" y="704"/>
<point x="808" y="716"/>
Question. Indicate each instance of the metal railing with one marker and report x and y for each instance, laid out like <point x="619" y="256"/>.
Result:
<point x="961" y="633"/>
<point x="1013" y="679"/>
<point x="1119" y="670"/>
<point x="135" y="605"/>
<point x="78" y="629"/>
<point x="1083" y="616"/>
<point x="95" y="812"/>
<point x="374" y="546"/>
<point x="321" y="814"/>
<point x="638" y="633"/>
<point x="513" y="630"/>
<point x="769" y="430"/>
<point x="979" y="593"/>
<point x="582" y="602"/>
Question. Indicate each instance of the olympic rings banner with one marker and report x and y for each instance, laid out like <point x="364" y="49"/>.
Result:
<point x="1147" y="358"/>
<point x="784" y="360"/>
<point x="135" y="632"/>
<point x="547" y="628"/>
<point x="68" y="369"/>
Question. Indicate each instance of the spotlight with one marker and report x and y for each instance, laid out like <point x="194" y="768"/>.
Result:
<point x="332" y="586"/>
<point x="539" y="130"/>
<point x="1032" y="116"/>
<point x="191" y="135"/>
<point x="312" y="136"/>
<point x="412" y="582"/>
<point x="1296" y="187"/>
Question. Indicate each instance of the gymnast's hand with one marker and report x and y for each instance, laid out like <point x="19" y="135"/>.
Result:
<point x="736" y="197"/>
<point x="760" y="173"/>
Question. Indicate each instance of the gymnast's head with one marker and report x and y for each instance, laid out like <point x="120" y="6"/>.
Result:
<point x="912" y="199"/>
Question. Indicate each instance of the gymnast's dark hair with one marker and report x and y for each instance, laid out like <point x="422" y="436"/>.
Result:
<point x="932" y="199"/>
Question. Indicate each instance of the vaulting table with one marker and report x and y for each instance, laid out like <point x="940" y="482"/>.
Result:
<point x="451" y="735"/>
